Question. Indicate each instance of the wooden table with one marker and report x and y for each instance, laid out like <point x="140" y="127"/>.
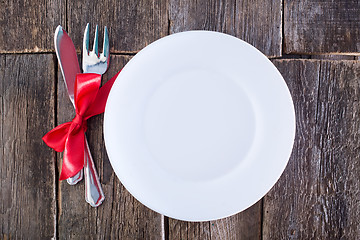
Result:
<point x="313" y="43"/>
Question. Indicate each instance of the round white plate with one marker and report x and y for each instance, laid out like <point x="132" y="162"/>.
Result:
<point x="199" y="125"/>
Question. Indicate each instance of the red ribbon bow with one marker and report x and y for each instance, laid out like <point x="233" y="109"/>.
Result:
<point x="70" y="137"/>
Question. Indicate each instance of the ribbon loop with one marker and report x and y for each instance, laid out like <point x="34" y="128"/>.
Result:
<point x="70" y="136"/>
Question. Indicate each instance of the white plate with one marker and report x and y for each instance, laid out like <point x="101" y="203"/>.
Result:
<point x="199" y="125"/>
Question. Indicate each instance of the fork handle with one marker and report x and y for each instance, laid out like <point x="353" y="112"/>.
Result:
<point x="94" y="194"/>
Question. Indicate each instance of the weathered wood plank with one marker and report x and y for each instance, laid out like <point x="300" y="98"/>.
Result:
<point x="318" y="196"/>
<point x="189" y="230"/>
<point x="132" y="24"/>
<point x="338" y="129"/>
<point x="29" y="26"/>
<point x="120" y="216"/>
<point x="257" y="22"/>
<point x="27" y="165"/>
<point x="244" y="225"/>
<point x="317" y="26"/>
<point x="296" y="189"/>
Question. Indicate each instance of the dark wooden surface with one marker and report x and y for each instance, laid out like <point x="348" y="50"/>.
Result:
<point x="245" y="225"/>
<point x="255" y="21"/>
<point x="145" y="20"/>
<point x="28" y="26"/>
<point x="322" y="26"/>
<point x="318" y="195"/>
<point x="27" y="166"/>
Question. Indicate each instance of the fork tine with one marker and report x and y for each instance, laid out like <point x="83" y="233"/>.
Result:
<point x="106" y="43"/>
<point x="96" y="40"/>
<point x="86" y="40"/>
<point x="93" y="62"/>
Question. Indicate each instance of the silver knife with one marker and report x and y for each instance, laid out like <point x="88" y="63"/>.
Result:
<point x="69" y="65"/>
<point x="67" y="57"/>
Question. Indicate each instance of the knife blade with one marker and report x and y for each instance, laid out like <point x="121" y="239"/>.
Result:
<point x="69" y="65"/>
<point x="67" y="57"/>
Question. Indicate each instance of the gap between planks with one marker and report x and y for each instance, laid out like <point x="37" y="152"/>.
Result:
<point x="322" y="56"/>
<point x="56" y="170"/>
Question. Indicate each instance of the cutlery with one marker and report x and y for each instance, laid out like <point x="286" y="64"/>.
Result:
<point x="66" y="54"/>
<point x="93" y="62"/>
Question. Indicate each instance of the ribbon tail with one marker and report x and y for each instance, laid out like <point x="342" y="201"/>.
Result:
<point x="56" y="138"/>
<point x="74" y="157"/>
<point x="99" y="103"/>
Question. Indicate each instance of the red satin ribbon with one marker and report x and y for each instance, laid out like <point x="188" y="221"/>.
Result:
<point x="70" y="137"/>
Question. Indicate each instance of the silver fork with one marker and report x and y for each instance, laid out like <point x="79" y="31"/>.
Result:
<point x="92" y="62"/>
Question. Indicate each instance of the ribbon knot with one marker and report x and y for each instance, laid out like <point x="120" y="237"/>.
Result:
<point x="80" y="121"/>
<point x="70" y="136"/>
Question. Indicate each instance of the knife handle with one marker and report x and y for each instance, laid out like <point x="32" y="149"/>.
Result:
<point x="75" y="179"/>
<point x="94" y="194"/>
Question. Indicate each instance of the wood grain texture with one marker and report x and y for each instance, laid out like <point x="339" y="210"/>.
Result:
<point x="244" y="225"/>
<point x="29" y="26"/>
<point x="132" y="24"/>
<point x="189" y="230"/>
<point x="318" y="195"/>
<point x="120" y="216"/>
<point x="27" y="165"/>
<point x="255" y="21"/>
<point x="317" y="26"/>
